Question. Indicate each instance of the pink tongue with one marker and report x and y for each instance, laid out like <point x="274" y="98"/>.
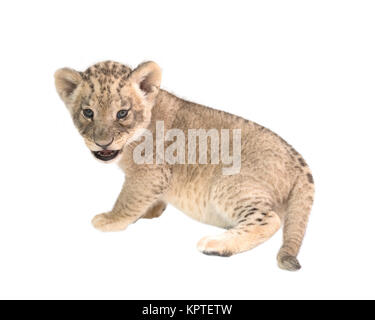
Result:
<point x="106" y="152"/>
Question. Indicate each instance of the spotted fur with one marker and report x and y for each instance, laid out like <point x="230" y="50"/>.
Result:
<point x="274" y="187"/>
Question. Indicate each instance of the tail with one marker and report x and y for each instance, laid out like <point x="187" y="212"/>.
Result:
<point x="298" y="211"/>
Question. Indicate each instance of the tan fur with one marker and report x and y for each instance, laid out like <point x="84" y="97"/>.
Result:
<point x="274" y="185"/>
<point x="155" y="210"/>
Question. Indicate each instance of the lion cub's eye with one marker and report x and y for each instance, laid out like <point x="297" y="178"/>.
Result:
<point x="88" y="113"/>
<point x="122" y="114"/>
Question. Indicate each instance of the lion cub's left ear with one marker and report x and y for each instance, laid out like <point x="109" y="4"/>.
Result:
<point x="147" y="77"/>
<point x="66" y="82"/>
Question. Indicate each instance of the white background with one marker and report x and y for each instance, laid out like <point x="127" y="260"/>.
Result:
<point x="305" y="69"/>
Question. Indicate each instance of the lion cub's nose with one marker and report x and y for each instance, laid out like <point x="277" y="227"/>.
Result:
<point x="103" y="144"/>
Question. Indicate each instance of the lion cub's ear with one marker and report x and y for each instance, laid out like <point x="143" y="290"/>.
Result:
<point x="66" y="81"/>
<point x="147" y="77"/>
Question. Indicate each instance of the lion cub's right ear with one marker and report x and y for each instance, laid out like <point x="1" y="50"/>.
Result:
<point x="66" y="82"/>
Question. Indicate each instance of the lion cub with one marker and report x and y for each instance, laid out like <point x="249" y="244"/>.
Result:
<point x="238" y="175"/>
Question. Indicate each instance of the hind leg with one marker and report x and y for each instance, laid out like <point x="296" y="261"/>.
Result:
<point x="250" y="231"/>
<point x="155" y="211"/>
<point x="248" y="208"/>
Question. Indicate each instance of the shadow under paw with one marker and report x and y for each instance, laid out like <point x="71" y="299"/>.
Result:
<point x="219" y="254"/>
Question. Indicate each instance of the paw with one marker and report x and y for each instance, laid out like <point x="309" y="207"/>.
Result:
<point x="214" y="246"/>
<point x="106" y="222"/>
<point x="289" y="263"/>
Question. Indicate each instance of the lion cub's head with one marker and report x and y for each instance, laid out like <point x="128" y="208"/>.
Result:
<point x="109" y="102"/>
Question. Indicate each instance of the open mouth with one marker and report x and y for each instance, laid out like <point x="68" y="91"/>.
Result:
<point x="106" y="155"/>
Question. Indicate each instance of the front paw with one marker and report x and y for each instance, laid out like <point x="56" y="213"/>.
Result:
<point x="107" y="222"/>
